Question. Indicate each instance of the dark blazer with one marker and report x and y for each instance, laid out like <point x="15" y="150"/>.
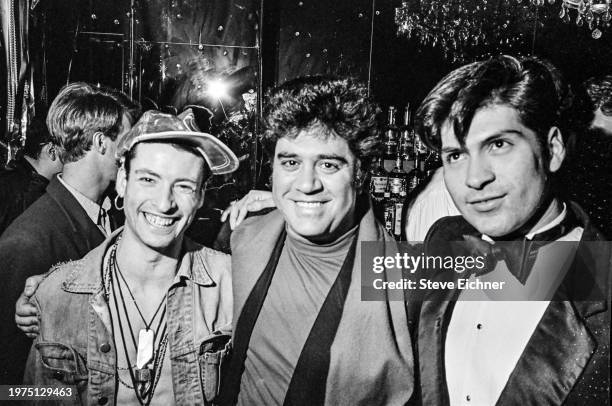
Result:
<point x="54" y="229"/>
<point x="566" y="361"/>
<point x="20" y="186"/>
<point x="370" y="358"/>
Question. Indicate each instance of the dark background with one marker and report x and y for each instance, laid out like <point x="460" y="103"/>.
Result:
<point x="306" y="37"/>
<point x="180" y="44"/>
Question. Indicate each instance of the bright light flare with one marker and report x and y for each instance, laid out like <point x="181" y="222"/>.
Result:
<point x="217" y="89"/>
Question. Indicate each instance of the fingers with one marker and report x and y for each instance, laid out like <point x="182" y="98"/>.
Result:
<point x="31" y="285"/>
<point x="227" y="212"/>
<point x="259" y="195"/>
<point x="26" y="316"/>
<point x="29" y="326"/>
<point x="242" y="215"/>
<point x="23" y="308"/>
<point x="253" y="201"/>
<point x="235" y="210"/>
<point x="261" y="204"/>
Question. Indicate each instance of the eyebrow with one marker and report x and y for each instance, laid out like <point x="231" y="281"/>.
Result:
<point x="145" y="172"/>
<point x="152" y="173"/>
<point x="486" y="140"/>
<point x="500" y="134"/>
<point x="318" y="157"/>
<point x="448" y="150"/>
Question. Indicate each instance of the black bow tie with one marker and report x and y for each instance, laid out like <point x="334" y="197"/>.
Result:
<point x="519" y="255"/>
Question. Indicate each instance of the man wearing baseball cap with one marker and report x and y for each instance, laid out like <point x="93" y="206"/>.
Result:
<point x="150" y="310"/>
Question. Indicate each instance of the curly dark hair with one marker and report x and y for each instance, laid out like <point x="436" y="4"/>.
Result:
<point x="532" y="86"/>
<point x="341" y="105"/>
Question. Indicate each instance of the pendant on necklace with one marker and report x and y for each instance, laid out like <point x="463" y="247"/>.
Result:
<point x="144" y="356"/>
<point x="143" y="382"/>
<point x="145" y="348"/>
<point x="142" y="376"/>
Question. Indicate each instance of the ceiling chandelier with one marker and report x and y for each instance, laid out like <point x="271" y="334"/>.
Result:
<point x="465" y="29"/>
<point x="470" y="29"/>
<point x="595" y="13"/>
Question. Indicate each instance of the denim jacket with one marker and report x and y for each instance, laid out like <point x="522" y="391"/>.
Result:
<point x="75" y="345"/>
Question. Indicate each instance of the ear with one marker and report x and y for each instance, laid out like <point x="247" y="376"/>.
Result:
<point x="556" y="149"/>
<point x="121" y="182"/>
<point x="51" y="151"/>
<point x="99" y="142"/>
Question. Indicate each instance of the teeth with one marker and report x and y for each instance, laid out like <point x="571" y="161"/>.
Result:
<point x="309" y="204"/>
<point x="158" y="221"/>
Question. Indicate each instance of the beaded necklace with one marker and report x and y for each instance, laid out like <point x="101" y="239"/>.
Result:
<point x="144" y="377"/>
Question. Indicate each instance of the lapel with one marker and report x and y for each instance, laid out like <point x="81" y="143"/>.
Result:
<point x="252" y="242"/>
<point x="433" y="323"/>
<point x="87" y="235"/>
<point x="552" y="363"/>
<point x="435" y="313"/>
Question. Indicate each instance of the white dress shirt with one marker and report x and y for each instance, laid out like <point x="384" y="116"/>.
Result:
<point x="97" y="213"/>
<point x="487" y="334"/>
<point x="433" y="203"/>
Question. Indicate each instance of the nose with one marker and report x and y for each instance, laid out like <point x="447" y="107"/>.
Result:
<point x="479" y="173"/>
<point x="308" y="180"/>
<point x="165" y="200"/>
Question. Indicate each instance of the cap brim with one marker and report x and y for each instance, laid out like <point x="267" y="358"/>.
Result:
<point x="218" y="156"/>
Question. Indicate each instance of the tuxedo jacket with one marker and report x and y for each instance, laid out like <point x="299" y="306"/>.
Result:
<point x="566" y="360"/>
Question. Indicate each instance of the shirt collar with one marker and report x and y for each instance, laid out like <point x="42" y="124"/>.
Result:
<point x="86" y="276"/>
<point x="554" y="222"/>
<point x="193" y="265"/>
<point x="91" y="208"/>
<point x="336" y="248"/>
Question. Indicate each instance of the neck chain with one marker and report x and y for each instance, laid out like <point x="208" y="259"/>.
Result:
<point x="145" y="376"/>
<point x="163" y="301"/>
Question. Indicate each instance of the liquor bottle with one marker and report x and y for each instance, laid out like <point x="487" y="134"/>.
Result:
<point x="407" y="136"/>
<point x="389" y="211"/>
<point x="398" y="207"/>
<point x="432" y="162"/>
<point x="397" y="186"/>
<point x="397" y="178"/>
<point x="378" y="180"/>
<point x="419" y="147"/>
<point x="390" y="139"/>
<point x="416" y="176"/>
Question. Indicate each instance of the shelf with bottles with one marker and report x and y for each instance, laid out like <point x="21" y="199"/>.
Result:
<point x="405" y="163"/>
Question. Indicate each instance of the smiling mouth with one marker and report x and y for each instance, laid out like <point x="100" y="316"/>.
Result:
<point x="309" y="204"/>
<point x="158" y="221"/>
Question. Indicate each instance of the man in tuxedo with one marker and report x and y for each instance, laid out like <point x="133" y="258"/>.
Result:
<point x="500" y="126"/>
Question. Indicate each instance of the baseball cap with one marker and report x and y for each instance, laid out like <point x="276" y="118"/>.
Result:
<point x="157" y="126"/>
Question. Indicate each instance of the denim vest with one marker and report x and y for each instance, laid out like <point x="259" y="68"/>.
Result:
<point x="75" y="345"/>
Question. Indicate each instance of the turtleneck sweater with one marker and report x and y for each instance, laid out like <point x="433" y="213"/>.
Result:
<point x="303" y="278"/>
